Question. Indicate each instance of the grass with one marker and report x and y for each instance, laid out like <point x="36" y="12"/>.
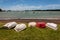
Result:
<point x="29" y="34"/>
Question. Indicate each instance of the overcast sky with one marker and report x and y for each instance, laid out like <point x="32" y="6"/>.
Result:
<point x="29" y="4"/>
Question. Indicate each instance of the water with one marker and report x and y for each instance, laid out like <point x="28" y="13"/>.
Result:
<point x="30" y="15"/>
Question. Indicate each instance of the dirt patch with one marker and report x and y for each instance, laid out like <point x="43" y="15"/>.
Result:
<point x="30" y="20"/>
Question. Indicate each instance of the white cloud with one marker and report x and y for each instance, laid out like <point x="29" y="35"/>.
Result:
<point x="23" y="7"/>
<point x="27" y="7"/>
<point x="53" y="6"/>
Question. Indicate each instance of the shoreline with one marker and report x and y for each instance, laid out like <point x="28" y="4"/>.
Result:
<point x="32" y="20"/>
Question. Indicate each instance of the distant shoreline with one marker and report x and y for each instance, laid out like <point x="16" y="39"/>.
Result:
<point x="29" y="10"/>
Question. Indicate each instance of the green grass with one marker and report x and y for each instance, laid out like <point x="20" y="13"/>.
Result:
<point x="29" y="34"/>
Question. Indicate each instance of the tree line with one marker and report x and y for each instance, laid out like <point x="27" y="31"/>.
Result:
<point x="48" y="10"/>
<point x="1" y="10"/>
<point x="33" y="10"/>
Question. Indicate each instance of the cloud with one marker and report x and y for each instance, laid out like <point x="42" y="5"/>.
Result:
<point x="27" y="7"/>
<point x="23" y="7"/>
<point x="52" y="6"/>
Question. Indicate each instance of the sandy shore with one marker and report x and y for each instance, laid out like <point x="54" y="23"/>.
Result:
<point x="30" y="20"/>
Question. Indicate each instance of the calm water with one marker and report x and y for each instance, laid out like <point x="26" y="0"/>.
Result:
<point x="29" y="15"/>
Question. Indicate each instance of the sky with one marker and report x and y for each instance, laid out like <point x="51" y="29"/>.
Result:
<point x="29" y="4"/>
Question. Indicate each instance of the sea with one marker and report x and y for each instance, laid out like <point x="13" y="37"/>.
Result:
<point x="30" y="15"/>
